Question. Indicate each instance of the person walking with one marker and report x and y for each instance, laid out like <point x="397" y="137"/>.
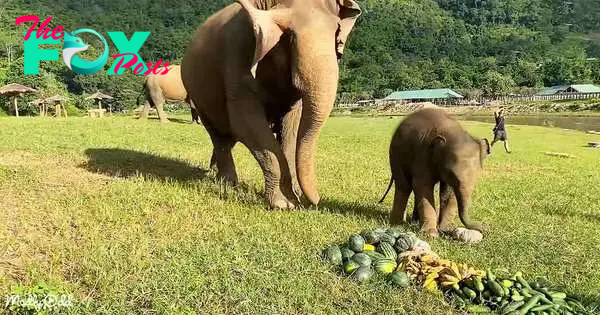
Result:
<point x="499" y="130"/>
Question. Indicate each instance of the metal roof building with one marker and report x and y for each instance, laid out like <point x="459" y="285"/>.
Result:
<point x="431" y="94"/>
<point x="573" y="88"/>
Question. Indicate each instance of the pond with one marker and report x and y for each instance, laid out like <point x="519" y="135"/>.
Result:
<point x="564" y="122"/>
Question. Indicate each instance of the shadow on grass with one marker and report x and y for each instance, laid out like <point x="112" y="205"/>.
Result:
<point x="174" y="120"/>
<point x="372" y="211"/>
<point x="128" y="163"/>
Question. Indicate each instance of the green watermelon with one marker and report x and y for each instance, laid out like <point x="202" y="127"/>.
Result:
<point x="399" y="278"/>
<point x="394" y="232"/>
<point x="350" y="266"/>
<point x="375" y="256"/>
<point x="386" y="238"/>
<point x="387" y="250"/>
<point x="332" y="254"/>
<point x="362" y="274"/>
<point x="385" y="266"/>
<point x="356" y="243"/>
<point x="347" y="253"/>
<point x="362" y="259"/>
<point x="405" y="242"/>
<point x="370" y="236"/>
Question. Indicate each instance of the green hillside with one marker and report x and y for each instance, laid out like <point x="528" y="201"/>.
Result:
<point x="494" y="46"/>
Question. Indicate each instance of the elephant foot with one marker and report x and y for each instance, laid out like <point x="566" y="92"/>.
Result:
<point x="430" y="231"/>
<point x="229" y="179"/>
<point x="446" y="228"/>
<point x="278" y="202"/>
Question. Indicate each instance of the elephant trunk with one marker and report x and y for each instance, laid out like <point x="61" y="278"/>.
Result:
<point x="463" y="198"/>
<point x="316" y="75"/>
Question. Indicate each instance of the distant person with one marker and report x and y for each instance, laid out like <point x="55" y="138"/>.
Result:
<point x="499" y="130"/>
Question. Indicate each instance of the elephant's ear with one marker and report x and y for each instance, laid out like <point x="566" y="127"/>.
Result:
<point x="484" y="149"/>
<point x="349" y="12"/>
<point x="268" y="26"/>
<point x="436" y="146"/>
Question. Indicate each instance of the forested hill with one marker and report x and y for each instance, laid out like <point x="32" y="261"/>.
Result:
<point x="496" y="46"/>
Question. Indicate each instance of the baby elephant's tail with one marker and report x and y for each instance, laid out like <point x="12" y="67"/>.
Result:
<point x="387" y="190"/>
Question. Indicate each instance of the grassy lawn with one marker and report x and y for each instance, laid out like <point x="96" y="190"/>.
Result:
<point x="125" y="214"/>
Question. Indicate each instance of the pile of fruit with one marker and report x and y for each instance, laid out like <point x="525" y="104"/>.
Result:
<point x="402" y="258"/>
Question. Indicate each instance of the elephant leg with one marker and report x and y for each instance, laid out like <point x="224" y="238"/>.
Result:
<point x="448" y="208"/>
<point x="402" y="191"/>
<point x="288" y="137"/>
<point x="425" y="203"/>
<point x="145" y="110"/>
<point x="213" y="160"/>
<point x="158" y="101"/>
<point x="252" y="128"/>
<point x="221" y="158"/>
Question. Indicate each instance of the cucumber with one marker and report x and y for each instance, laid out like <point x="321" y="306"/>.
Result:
<point x="496" y="289"/>
<point x="506" y="291"/>
<point x="478" y="284"/>
<point x="522" y="281"/>
<point x="507" y="283"/>
<point x="517" y="298"/>
<point x="512" y="307"/>
<point x="468" y="292"/>
<point x="529" y="305"/>
<point x="541" y="308"/>
<point x="489" y="275"/>
<point x="478" y="309"/>
<point x="558" y="296"/>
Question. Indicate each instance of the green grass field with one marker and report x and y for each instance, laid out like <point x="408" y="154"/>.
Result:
<point x="124" y="214"/>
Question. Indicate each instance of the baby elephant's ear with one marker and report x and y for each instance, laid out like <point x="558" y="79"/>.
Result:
<point x="485" y="148"/>
<point x="349" y="12"/>
<point x="268" y="26"/>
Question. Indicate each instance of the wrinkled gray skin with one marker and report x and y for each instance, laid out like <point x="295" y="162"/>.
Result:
<point x="430" y="147"/>
<point x="259" y="67"/>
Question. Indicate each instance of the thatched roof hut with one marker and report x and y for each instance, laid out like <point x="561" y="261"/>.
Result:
<point x="13" y="90"/>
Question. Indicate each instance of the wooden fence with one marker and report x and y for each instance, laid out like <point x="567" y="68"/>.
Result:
<point x="553" y="97"/>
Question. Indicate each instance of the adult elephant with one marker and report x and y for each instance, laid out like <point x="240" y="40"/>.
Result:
<point x="159" y="89"/>
<point x="256" y="64"/>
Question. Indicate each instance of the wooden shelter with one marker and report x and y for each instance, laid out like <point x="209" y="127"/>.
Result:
<point x="59" y="108"/>
<point x="41" y="105"/>
<point x="99" y="96"/>
<point x="15" y="90"/>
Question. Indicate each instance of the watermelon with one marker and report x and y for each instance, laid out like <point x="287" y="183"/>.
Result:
<point x="332" y="254"/>
<point x="350" y="266"/>
<point x="347" y="253"/>
<point x="385" y="266"/>
<point x="386" y="238"/>
<point x="362" y="274"/>
<point x="375" y="256"/>
<point x="399" y="278"/>
<point x="387" y="250"/>
<point x="394" y="232"/>
<point x="362" y="259"/>
<point x="405" y="242"/>
<point x="356" y="243"/>
<point x="371" y="237"/>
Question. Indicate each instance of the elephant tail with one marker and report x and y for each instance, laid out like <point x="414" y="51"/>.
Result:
<point x="387" y="190"/>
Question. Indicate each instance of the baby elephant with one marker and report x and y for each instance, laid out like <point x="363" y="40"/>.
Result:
<point x="430" y="147"/>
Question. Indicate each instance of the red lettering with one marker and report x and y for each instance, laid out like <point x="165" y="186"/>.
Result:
<point x="43" y="31"/>
<point x="28" y="18"/>
<point x="139" y="68"/>
<point x="156" y="65"/>
<point x="130" y="63"/>
<point x="56" y="31"/>
<point x="166" y="69"/>
<point x="149" y="66"/>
